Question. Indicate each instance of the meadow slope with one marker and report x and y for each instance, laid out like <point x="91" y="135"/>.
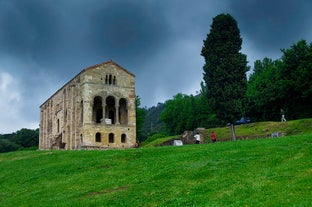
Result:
<point x="260" y="172"/>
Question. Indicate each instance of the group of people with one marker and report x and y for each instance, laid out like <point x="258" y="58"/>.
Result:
<point x="213" y="137"/>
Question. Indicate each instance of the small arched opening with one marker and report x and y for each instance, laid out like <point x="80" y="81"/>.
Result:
<point x="58" y="125"/>
<point x="81" y="115"/>
<point x="111" y="138"/>
<point x="98" y="137"/>
<point x="123" y="138"/>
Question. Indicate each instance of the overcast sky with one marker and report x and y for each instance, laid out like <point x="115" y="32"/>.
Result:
<point x="45" y="43"/>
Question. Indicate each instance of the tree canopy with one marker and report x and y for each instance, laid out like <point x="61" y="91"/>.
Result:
<point x="186" y="112"/>
<point x="225" y="69"/>
<point x="282" y="84"/>
<point x="21" y="139"/>
<point x="140" y="116"/>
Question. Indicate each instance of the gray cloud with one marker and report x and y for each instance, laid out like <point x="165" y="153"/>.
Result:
<point x="28" y="28"/>
<point x="44" y="43"/>
<point x="273" y="25"/>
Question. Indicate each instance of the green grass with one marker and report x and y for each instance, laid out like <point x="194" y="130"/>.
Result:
<point x="260" y="172"/>
<point x="248" y="131"/>
<point x="159" y="141"/>
<point x="263" y="129"/>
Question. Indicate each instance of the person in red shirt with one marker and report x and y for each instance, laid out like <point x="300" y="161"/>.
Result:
<point x="213" y="137"/>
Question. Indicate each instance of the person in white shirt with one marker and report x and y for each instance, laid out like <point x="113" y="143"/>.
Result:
<point x="197" y="138"/>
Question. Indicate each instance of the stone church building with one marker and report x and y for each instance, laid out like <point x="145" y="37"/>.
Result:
<point x="94" y="110"/>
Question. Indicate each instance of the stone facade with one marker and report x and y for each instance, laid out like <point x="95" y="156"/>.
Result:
<point x="94" y="110"/>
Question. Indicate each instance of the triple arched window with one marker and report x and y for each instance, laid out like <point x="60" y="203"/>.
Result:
<point x="110" y="79"/>
<point x="110" y="110"/>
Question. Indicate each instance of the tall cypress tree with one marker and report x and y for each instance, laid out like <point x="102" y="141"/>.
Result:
<point x="225" y="69"/>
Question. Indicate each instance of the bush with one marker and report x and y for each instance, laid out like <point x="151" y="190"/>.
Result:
<point x="8" y="146"/>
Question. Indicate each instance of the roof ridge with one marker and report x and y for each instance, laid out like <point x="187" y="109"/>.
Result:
<point x="108" y="62"/>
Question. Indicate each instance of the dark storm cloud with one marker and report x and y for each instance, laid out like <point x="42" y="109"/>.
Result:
<point x="128" y="30"/>
<point x="67" y="31"/>
<point x="44" y="43"/>
<point x="28" y="28"/>
<point x="273" y="25"/>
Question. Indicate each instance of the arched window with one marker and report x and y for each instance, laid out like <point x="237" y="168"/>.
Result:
<point x="58" y="125"/>
<point x="110" y="80"/>
<point x="111" y="138"/>
<point x="110" y="110"/>
<point x="98" y="137"/>
<point x="81" y="107"/>
<point x="123" y="138"/>
<point x="97" y="109"/>
<point x="114" y="80"/>
<point x="123" y="111"/>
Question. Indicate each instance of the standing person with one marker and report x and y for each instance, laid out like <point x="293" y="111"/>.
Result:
<point x="283" y="116"/>
<point x="213" y="137"/>
<point x="197" y="138"/>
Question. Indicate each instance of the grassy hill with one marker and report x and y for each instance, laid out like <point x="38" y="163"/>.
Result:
<point x="250" y="131"/>
<point x="265" y="129"/>
<point x="260" y="172"/>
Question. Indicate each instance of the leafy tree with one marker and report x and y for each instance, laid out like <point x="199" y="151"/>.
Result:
<point x="8" y="146"/>
<point x="283" y="83"/>
<point x="26" y="138"/>
<point x="140" y="116"/>
<point x="204" y="114"/>
<point x="175" y="115"/>
<point x="172" y="114"/>
<point x="225" y="69"/>
<point x="296" y="74"/>
<point x="152" y="123"/>
<point x="6" y="136"/>
<point x="185" y="112"/>
<point x="264" y="92"/>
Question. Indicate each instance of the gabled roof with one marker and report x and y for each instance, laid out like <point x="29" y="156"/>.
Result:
<point x="110" y="62"/>
<point x="106" y="63"/>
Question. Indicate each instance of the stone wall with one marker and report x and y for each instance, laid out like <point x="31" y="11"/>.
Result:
<point x="96" y="109"/>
